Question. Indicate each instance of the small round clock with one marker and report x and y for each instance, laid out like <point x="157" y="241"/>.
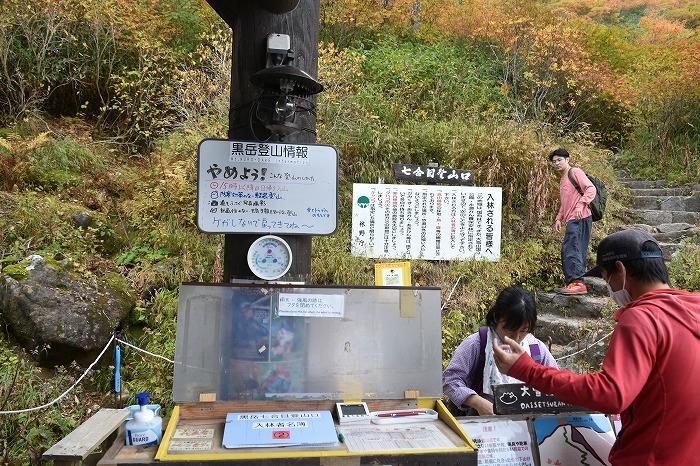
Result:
<point x="269" y="257"/>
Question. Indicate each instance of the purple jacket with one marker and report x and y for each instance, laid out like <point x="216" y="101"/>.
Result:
<point x="460" y="379"/>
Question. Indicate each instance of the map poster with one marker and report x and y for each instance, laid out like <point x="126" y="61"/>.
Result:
<point x="565" y="440"/>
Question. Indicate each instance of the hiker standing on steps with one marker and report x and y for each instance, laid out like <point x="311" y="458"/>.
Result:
<point x="651" y="370"/>
<point x="575" y="214"/>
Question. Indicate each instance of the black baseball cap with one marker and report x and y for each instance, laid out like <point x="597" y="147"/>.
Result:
<point x="622" y="246"/>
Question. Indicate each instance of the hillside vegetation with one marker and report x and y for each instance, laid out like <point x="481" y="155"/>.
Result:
<point x="103" y="103"/>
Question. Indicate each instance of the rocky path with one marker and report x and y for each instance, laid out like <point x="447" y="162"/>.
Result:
<point x="572" y="323"/>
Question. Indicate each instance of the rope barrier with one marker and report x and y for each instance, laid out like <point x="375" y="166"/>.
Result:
<point x="451" y="291"/>
<point x="144" y="351"/>
<point x="75" y="384"/>
<point x="19" y="411"/>
<point x="584" y="349"/>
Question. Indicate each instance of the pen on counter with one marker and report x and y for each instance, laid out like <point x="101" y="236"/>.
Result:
<point x="401" y="414"/>
<point x="341" y="437"/>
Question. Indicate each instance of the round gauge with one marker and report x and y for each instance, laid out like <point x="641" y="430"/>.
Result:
<point x="269" y="257"/>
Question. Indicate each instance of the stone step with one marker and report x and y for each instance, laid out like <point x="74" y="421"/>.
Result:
<point x="686" y="203"/>
<point x="571" y="305"/>
<point x="682" y="191"/>
<point x="639" y="226"/>
<point x="672" y="227"/>
<point x="644" y="184"/>
<point x="657" y="217"/>
<point x="693" y="234"/>
<point x="564" y="330"/>
<point x="661" y="229"/>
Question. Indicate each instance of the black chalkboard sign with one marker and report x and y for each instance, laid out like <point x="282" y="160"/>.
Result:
<point x="518" y="398"/>
<point x="407" y="171"/>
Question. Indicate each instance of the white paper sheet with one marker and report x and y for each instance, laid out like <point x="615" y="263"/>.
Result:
<point x="501" y="442"/>
<point x="394" y="437"/>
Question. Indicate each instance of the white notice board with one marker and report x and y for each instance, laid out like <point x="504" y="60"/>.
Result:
<point x="426" y="222"/>
<point x="257" y="187"/>
<point x="501" y="442"/>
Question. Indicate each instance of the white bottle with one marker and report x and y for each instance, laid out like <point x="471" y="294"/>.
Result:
<point x="146" y="428"/>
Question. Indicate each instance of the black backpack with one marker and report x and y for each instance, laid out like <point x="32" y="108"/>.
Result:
<point x="597" y="205"/>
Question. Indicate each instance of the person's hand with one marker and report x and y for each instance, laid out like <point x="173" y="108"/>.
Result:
<point x="578" y="213"/>
<point x="557" y="226"/>
<point x="483" y="406"/>
<point x="506" y="355"/>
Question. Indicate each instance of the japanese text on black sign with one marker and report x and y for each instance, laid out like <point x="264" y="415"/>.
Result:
<point x="443" y="175"/>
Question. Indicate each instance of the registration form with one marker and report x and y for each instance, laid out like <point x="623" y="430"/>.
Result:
<point x="394" y="437"/>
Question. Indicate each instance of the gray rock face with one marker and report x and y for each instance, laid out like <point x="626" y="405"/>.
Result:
<point x="61" y="317"/>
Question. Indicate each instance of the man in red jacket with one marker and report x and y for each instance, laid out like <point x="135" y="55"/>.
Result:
<point x="651" y="372"/>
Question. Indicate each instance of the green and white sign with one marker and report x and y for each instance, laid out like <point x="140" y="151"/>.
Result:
<point x="426" y="222"/>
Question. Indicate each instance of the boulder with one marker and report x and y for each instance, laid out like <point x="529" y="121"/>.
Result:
<point x="82" y="220"/>
<point x="57" y="317"/>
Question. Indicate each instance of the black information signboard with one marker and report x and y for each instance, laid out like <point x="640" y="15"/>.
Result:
<point x="407" y="171"/>
<point x="518" y="398"/>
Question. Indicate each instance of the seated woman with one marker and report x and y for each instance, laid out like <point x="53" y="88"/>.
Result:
<point x="467" y="380"/>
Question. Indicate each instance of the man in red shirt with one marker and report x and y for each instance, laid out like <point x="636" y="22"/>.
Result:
<point x="651" y="371"/>
<point x="575" y="214"/>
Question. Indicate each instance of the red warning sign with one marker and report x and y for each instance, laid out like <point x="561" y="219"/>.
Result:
<point x="280" y="434"/>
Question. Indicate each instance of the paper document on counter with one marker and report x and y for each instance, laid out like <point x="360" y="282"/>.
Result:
<point x="394" y="437"/>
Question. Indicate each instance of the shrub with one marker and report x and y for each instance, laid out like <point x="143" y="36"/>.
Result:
<point x="684" y="268"/>
<point x="138" y="73"/>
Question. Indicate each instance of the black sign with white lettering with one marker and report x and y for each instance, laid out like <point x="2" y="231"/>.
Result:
<point x="406" y="171"/>
<point x="518" y="398"/>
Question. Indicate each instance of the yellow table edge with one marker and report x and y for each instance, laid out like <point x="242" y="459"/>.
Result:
<point x="443" y="414"/>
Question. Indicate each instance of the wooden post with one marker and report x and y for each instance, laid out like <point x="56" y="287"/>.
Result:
<point x="252" y="22"/>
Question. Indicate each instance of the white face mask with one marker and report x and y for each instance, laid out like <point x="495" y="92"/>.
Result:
<point x="621" y="297"/>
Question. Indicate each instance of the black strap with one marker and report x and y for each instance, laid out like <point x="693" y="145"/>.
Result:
<point x="573" y="181"/>
<point x="479" y="371"/>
